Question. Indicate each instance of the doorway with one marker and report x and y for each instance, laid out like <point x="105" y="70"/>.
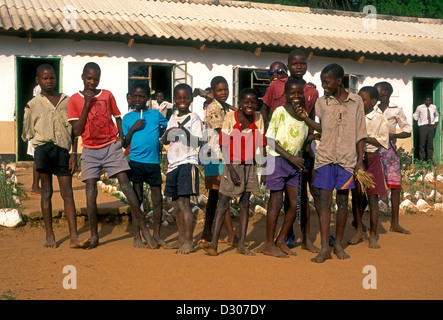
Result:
<point x="25" y="84"/>
<point x="423" y="87"/>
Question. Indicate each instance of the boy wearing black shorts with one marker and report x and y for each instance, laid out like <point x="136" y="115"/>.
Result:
<point x="45" y="124"/>
<point x="141" y="129"/>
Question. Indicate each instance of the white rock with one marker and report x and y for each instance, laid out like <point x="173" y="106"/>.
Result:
<point x="419" y="195"/>
<point x="439" y="178"/>
<point x="438" y="196"/>
<point x="422" y="205"/>
<point x="429" y="177"/>
<point x="407" y="195"/>
<point x="438" y="207"/>
<point x="260" y="210"/>
<point x="10" y="217"/>
<point x="202" y="199"/>
<point x="382" y="206"/>
<point x="197" y="210"/>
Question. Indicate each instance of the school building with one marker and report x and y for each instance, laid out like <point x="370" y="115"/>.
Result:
<point x="165" y="42"/>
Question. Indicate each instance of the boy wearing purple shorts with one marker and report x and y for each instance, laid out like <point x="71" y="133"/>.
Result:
<point x="90" y="113"/>
<point x="286" y="137"/>
<point x="340" y="153"/>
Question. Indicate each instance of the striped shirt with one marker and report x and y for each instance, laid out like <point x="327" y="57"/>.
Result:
<point x="43" y="122"/>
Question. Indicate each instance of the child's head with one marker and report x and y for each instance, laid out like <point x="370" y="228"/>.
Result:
<point x="91" y="75"/>
<point x="294" y="92"/>
<point x="369" y="96"/>
<point x="297" y="63"/>
<point x="277" y="70"/>
<point x="139" y="95"/>
<point x="248" y="101"/>
<point x="220" y="89"/>
<point x="159" y="96"/>
<point x="384" y="89"/>
<point x="183" y="97"/>
<point x="332" y="78"/>
<point x="45" y="77"/>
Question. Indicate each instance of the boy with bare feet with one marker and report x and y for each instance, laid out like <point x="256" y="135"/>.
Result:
<point x="45" y="122"/>
<point x="343" y="134"/>
<point x="141" y="129"/>
<point x="286" y="137"/>
<point x="183" y="133"/>
<point x="242" y="137"/>
<point x="378" y="137"/>
<point x="90" y="113"/>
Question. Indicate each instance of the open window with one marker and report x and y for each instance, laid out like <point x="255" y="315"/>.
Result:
<point x="257" y="79"/>
<point x="351" y="82"/>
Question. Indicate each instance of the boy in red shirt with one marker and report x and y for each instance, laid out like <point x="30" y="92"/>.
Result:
<point x="90" y="113"/>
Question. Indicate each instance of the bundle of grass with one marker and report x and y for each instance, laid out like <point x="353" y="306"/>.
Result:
<point x="364" y="178"/>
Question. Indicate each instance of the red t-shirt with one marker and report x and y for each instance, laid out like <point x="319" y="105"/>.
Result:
<point x="100" y="129"/>
<point x="242" y="144"/>
<point x="275" y="96"/>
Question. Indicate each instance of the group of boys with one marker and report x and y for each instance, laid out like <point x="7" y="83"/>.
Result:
<point x="354" y="134"/>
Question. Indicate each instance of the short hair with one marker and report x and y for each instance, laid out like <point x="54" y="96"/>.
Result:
<point x="159" y="91"/>
<point x="384" y="85"/>
<point x="292" y="81"/>
<point x="93" y="66"/>
<point x="217" y="80"/>
<point x="142" y="85"/>
<point x="246" y="91"/>
<point x="373" y="93"/>
<point x="44" y="66"/>
<point x="184" y="86"/>
<point x="296" y="52"/>
<point x="335" y="69"/>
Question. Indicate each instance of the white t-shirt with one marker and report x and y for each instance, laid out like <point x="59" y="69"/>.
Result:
<point x="179" y="152"/>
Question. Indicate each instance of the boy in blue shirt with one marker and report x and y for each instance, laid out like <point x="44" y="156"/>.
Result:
<point x="141" y="130"/>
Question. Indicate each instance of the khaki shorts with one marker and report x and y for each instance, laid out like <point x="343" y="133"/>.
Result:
<point x="248" y="177"/>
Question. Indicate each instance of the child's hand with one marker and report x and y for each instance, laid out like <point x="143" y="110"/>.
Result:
<point x="138" y="125"/>
<point x="235" y="178"/>
<point x="311" y="85"/>
<point x="89" y="95"/>
<point x="298" y="162"/>
<point x="301" y="112"/>
<point x="73" y="165"/>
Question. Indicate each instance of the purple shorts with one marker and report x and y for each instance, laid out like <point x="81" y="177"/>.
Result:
<point x="333" y="176"/>
<point x="283" y="173"/>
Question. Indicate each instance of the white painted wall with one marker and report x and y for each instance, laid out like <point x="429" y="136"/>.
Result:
<point x="202" y="67"/>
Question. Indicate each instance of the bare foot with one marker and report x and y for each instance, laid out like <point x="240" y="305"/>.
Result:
<point x="232" y="240"/>
<point x="50" y="242"/>
<point x="36" y="191"/>
<point x="398" y="228"/>
<point x="283" y="247"/>
<point x="79" y="244"/>
<point x="261" y="248"/>
<point x="150" y="241"/>
<point x="138" y="243"/>
<point x="357" y="238"/>
<point x="373" y="244"/>
<point x="271" y="250"/>
<point x="243" y="250"/>
<point x="340" y="252"/>
<point x="161" y="242"/>
<point x="186" y="248"/>
<point x="308" y="245"/>
<point x="323" y="255"/>
<point x="175" y="245"/>
<point x="209" y="247"/>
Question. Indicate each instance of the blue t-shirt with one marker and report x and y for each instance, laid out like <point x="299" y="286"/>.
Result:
<point x="145" y="142"/>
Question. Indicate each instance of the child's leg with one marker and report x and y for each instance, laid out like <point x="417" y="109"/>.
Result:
<point x="342" y="214"/>
<point x="156" y="197"/>
<point x="288" y="222"/>
<point x="222" y="207"/>
<point x="358" y="204"/>
<point x="373" y="207"/>
<point x="274" y="207"/>
<point x="324" y="216"/>
<point x="46" y="206"/>
<point x="134" y="203"/>
<point x="35" y="188"/>
<point x="211" y="207"/>
<point x="138" y="242"/>
<point x="180" y="223"/>
<point x="184" y="203"/>
<point x="305" y="223"/>
<point x="65" y="183"/>
<point x="244" y="217"/>
<point x="395" y="202"/>
<point x="91" y="209"/>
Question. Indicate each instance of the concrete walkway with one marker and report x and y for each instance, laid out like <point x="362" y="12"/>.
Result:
<point x="106" y="203"/>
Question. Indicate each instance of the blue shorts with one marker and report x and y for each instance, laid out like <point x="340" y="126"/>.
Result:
<point x="145" y="172"/>
<point x="182" y="181"/>
<point x="333" y="176"/>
